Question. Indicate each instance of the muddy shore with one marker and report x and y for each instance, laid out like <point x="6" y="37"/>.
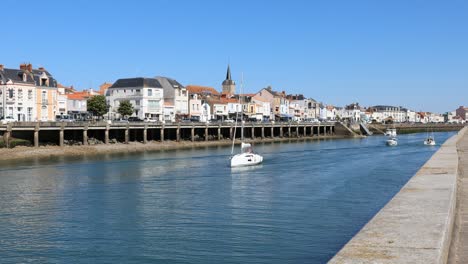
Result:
<point x="22" y="152"/>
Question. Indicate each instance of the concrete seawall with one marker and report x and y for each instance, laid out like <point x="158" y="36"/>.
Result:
<point x="416" y="225"/>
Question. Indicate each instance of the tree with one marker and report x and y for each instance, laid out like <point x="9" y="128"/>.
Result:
<point x="97" y="105"/>
<point x="125" y="108"/>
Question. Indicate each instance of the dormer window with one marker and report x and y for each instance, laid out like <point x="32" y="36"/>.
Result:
<point x="25" y="77"/>
<point x="44" y="82"/>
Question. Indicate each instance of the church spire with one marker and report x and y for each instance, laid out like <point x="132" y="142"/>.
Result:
<point x="228" y="74"/>
<point x="229" y="86"/>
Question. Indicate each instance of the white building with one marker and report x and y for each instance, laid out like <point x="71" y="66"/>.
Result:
<point x="397" y="114"/>
<point x="145" y="94"/>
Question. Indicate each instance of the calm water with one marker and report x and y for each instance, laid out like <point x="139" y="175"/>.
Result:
<point x="187" y="206"/>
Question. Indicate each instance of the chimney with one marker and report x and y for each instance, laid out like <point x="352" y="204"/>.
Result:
<point x="41" y="68"/>
<point x="23" y="66"/>
<point x="1" y="67"/>
<point x="29" y="67"/>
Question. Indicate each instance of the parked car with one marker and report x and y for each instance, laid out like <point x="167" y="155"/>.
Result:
<point x="64" y="118"/>
<point x="134" y="119"/>
<point x="8" y="119"/>
<point x="149" y="120"/>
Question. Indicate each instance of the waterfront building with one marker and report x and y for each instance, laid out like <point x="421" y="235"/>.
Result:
<point x="205" y="98"/>
<point x="195" y="107"/>
<point x="410" y="116"/>
<point x="229" y="86"/>
<point x="176" y="99"/>
<point x="263" y="108"/>
<point x="62" y="98"/>
<point x="145" y="94"/>
<point x="220" y="109"/>
<point x="331" y="113"/>
<point x="18" y="93"/>
<point x="421" y="117"/>
<point x="352" y="112"/>
<point x="462" y="112"/>
<point x="77" y="102"/>
<point x="46" y="93"/>
<point x="384" y="113"/>
<point x="278" y="102"/>
<point x="233" y="106"/>
<point x="103" y="88"/>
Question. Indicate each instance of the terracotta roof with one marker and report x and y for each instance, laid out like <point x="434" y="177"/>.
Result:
<point x="197" y="89"/>
<point x="229" y="100"/>
<point x="103" y="87"/>
<point x="79" y="95"/>
<point x="250" y="95"/>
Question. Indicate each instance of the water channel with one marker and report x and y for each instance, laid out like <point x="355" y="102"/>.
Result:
<point x="187" y="206"/>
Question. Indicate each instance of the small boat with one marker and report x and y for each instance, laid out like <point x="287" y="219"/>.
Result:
<point x="392" y="141"/>
<point x="391" y="132"/>
<point x="247" y="157"/>
<point x="429" y="141"/>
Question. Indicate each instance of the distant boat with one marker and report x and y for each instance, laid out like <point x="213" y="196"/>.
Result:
<point x="392" y="141"/>
<point x="246" y="157"/>
<point x="430" y="141"/>
<point x="391" y="132"/>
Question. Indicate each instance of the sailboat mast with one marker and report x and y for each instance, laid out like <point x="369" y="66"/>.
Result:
<point x="242" y="107"/>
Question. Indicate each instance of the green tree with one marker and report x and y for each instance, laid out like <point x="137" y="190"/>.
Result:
<point x="125" y="108"/>
<point x="97" y="105"/>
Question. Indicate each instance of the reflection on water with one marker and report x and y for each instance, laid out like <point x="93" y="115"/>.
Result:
<point x="188" y="206"/>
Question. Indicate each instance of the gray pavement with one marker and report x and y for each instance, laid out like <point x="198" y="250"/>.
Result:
<point x="459" y="246"/>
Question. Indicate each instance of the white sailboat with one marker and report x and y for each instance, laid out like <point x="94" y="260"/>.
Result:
<point x="392" y="141"/>
<point x="430" y="141"/>
<point x="246" y="157"/>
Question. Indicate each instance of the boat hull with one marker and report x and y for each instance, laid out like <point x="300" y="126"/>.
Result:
<point x="246" y="159"/>
<point x="391" y="142"/>
<point x="429" y="143"/>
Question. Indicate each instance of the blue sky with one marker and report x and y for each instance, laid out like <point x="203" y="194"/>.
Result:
<point x="409" y="53"/>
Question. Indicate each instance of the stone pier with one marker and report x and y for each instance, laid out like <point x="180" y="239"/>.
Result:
<point x="416" y="225"/>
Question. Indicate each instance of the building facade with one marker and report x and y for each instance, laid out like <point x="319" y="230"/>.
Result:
<point x="145" y="94"/>
<point x="175" y="98"/>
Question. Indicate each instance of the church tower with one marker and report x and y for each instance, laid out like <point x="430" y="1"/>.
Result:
<point x="229" y="86"/>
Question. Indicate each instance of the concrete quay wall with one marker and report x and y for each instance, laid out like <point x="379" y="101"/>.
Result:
<point x="416" y="225"/>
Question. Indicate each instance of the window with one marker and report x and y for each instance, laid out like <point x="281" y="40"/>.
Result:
<point x="44" y="97"/>
<point x="25" y="77"/>
<point x="153" y="105"/>
<point x="20" y="94"/>
<point x="150" y="92"/>
<point x="30" y="94"/>
<point x="137" y="102"/>
<point x="10" y="93"/>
